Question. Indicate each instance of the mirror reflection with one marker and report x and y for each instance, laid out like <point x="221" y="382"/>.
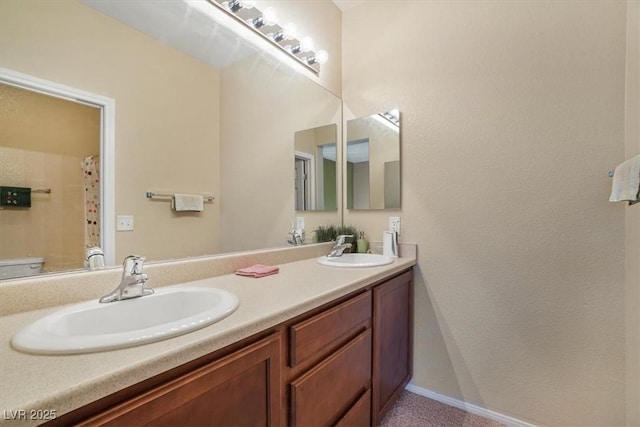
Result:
<point x="315" y="169"/>
<point x="373" y="161"/>
<point x="50" y="149"/>
<point x="194" y="114"/>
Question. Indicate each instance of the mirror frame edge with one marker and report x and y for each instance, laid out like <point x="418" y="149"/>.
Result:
<point x="107" y="145"/>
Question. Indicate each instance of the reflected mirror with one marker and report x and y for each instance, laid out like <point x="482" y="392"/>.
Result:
<point x="315" y="169"/>
<point x="194" y="114"/>
<point x="373" y="162"/>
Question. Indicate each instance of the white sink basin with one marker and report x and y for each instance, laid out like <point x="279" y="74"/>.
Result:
<point x="356" y="260"/>
<point x="90" y="327"/>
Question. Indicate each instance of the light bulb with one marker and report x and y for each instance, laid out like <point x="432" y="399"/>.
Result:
<point x="289" y="31"/>
<point x="322" y="56"/>
<point x="306" y="44"/>
<point x="269" y="16"/>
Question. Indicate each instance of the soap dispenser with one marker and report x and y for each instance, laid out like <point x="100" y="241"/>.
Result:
<point x="362" y="243"/>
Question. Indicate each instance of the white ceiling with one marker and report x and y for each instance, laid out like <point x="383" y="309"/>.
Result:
<point x="345" y="5"/>
<point x="179" y="25"/>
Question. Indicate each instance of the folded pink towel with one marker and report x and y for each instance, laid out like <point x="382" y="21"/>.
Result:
<point x="257" y="270"/>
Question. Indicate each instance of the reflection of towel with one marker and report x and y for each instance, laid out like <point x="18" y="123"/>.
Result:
<point x="626" y="182"/>
<point x="188" y="202"/>
<point x="258" y="270"/>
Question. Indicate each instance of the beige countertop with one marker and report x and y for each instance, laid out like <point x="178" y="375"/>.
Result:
<point x="63" y="383"/>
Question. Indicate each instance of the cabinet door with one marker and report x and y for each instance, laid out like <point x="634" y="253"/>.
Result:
<point x="241" y="389"/>
<point x="392" y="341"/>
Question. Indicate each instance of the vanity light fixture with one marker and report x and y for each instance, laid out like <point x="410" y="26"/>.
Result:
<point x="393" y="116"/>
<point x="284" y="37"/>
<point x="390" y="119"/>
<point x="268" y="18"/>
<point x="236" y="5"/>
<point x="288" y="32"/>
<point x="320" y="57"/>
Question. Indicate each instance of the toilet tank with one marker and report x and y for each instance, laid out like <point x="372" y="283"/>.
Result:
<point x="20" y="267"/>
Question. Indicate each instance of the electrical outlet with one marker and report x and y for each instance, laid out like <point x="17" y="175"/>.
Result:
<point x="124" y="223"/>
<point x="394" y="224"/>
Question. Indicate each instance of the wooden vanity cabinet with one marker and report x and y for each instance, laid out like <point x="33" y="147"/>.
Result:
<point x="241" y="389"/>
<point x="392" y="342"/>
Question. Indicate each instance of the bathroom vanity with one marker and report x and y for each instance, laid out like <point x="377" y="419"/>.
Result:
<point x="313" y="370"/>
<point x="312" y="345"/>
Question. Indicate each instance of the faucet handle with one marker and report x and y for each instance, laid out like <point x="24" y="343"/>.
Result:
<point x="133" y="264"/>
<point x="341" y="238"/>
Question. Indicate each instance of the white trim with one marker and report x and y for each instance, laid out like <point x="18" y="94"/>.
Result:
<point x="311" y="178"/>
<point x="474" y="409"/>
<point x="107" y="146"/>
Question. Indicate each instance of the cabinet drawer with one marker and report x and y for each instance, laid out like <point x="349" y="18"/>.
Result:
<point x="360" y="413"/>
<point x="326" y="392"/>
<point x="327" y="331"/>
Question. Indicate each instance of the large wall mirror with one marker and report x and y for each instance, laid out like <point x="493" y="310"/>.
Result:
<point x="373" y="161"/>
<point x="194" y="114"/>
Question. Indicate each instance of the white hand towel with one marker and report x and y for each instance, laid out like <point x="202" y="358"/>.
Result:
<point x="626" y="181"/>
<point x="188" y="202"/>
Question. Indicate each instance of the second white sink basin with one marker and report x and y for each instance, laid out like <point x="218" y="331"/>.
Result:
<point x="356" y="260"/>
<point x="92" y="326"/>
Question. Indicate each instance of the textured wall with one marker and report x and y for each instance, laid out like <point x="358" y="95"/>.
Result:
<point x="513" y="112"/>
<point x="632" y="217"/>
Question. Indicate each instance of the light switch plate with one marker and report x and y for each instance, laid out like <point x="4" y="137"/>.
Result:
<point x="124" y="223"/>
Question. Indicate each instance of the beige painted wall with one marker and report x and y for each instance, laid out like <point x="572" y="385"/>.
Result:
<point x="632" y="218"/>
<point x="167" y="114"/>
<point x="513" y="112"/>
<point x="43" y="141"/>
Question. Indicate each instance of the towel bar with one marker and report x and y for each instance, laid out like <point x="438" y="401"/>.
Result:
<point x="151" y="195"/>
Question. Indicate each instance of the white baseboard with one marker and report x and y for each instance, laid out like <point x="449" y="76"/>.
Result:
<point x="474" y="409"/>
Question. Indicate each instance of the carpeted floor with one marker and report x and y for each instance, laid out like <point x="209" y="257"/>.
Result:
<point x="413" y="410"/>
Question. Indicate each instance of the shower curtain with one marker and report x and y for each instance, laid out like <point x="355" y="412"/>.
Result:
<point x="91" y="177"/>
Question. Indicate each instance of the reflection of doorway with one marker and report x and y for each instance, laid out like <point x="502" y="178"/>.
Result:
<point x="47" y="140"/>
<point x="105" y="108"/>
<point x="304" y="181"/>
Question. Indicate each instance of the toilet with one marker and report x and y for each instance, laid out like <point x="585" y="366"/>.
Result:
<point x="20" y="267"/>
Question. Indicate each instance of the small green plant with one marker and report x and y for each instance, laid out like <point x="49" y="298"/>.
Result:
<point x="324" y="233"/>
<point x="329" y="233"/>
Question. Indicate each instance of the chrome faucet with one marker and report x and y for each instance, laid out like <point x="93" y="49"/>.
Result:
<point x="296" y="238"/>
<point x="340" y="245"/>
<point x="132" y="282"/>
